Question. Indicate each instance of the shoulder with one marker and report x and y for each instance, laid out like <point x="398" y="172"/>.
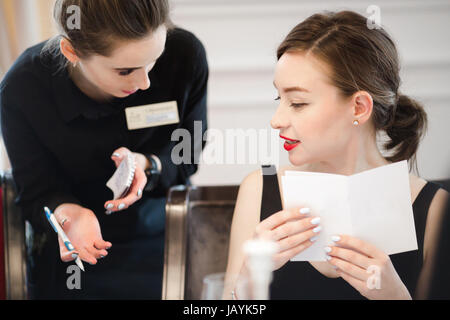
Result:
<point x="438" y="209"/>
<point x="440" y="200"/>
<point x="181" y="38"/>
<point x="252" y="183"/>
<point x="418" y="183"/>
<point x="186" y="48"/>
<point x="26" y="75"/>
<point x="248" y="202"/>
<point x="438" y="206"/>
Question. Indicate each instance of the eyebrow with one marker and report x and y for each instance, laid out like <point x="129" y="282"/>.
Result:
<point x="296" y="88"/>
<point x="127" y="69"/>
<point x="136" y="68"/>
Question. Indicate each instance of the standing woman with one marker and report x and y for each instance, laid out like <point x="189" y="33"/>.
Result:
<point x="64" y="106"/>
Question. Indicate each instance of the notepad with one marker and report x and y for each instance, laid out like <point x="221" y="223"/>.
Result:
<point x="123" y="177"/>
<point x="374" y="206"/>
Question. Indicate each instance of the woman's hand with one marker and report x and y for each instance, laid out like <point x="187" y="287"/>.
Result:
<point x="293" y="230"/>
<point x="138" y="184"/>
<point x="366" y="268"/>
<point x="83" y="230"/>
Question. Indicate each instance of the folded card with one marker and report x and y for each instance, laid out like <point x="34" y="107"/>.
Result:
<point x="122" y="178"/>
<point x="374" y="206"/>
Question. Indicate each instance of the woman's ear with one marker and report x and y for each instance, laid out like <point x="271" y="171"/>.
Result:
<point x="362" y="106"/>
<point x="68" y="51"/>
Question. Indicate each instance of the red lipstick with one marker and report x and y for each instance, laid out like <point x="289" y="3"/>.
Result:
<point x="290" y="143"/>
<point x="129" y="92"/>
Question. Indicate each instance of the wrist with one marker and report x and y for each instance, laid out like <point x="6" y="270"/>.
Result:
<point x="153" y="172"/>
<point x="142" y="161"/>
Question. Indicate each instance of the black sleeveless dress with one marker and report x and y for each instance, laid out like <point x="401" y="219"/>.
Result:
<point x="299" y="280"/>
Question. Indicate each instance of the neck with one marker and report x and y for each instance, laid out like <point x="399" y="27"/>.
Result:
<point x="87" y="87"/>
<point x="361" y="154"/>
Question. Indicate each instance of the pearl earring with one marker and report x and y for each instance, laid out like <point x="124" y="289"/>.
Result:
<point x="355" y="123"/>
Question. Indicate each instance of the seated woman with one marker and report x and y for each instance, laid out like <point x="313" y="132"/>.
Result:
<point x="338" y="84"/>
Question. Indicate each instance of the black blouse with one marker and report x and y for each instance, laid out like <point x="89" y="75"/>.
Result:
<point x="59" y="141"/>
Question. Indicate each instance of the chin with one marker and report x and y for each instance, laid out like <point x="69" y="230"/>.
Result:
<point x="297" y="160"/>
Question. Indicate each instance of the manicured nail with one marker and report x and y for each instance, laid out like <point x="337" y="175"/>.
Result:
<point x="313" y="238"/>
<point x="327" y="249"/>
<point x="317" y="229"/>
<point x="335" y="238"/>
<point x="328" y="257"/>
<point x="315" y="220"/>
<point x="102" y="256"/>
<point x="108" y="212"/>
<point x="74" y="255"/>
<point x="116" y="155"/>
<point x="107" y="248"/>
<point x="110" y="206"/>
<point x="121" y="206"/>
<point x="305" y="210"/>
<point x="139" y="193"/>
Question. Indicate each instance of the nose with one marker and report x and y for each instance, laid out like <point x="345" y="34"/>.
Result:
<point x="280" y="119"/>
<point x="143" y="82"/>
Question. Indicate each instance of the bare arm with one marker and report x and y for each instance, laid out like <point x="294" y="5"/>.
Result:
<point x="432" y="242"/>
<point x="245" y="219"/>
<point x="293" y="230"/>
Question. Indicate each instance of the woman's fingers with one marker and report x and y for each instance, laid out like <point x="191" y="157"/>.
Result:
<point x="138" y="185"/>
<point x="280" y="218"/>
<point x="283" y="256"/>
<point x="119" y="154"/>
<point x="350" y="268"/>
<point x="133" y="195"/>
<point x="297" y="239"/>
<point x="101" y="244"/>
<point x="351" y="256"/>
<point x="360" y="246"/>
<point x="96" y="253"/>
<point x="294" y="227"/>
<point x="65" y="254"/>
<point x="85" y="255"/>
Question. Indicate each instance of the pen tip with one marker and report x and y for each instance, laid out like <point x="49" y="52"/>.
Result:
<point x="79" y="263"/>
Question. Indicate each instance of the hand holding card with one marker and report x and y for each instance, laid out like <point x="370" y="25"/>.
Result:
<point x="127" y="182"/>
<point x="120" y="182"/>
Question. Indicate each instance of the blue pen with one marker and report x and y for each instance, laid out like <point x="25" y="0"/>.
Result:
<point x="55" y="225"/>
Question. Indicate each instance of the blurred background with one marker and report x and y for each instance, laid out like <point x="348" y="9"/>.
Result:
<point x="241" y="37"/>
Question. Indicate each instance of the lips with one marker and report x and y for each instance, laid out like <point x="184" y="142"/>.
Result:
<point x="290" y="143"/>
<point x="129" y="92"/>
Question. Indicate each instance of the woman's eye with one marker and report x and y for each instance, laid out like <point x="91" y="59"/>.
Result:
<point x="125" y="73"/>
<point x="298" y="105"/>
<point x="277" y="98"/>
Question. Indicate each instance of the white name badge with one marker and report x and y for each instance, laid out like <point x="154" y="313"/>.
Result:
<point x="152" y="115"/>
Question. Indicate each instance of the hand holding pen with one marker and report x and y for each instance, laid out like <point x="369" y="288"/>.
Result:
<point x="82" y="233"/>
<point x="63" y="237"/>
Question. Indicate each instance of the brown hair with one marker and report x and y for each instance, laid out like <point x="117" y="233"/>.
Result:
<point x="104" y="22"/>
<point x="364" y="59"/>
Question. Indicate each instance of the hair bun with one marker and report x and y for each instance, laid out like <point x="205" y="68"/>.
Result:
<point x="406" y="129"/>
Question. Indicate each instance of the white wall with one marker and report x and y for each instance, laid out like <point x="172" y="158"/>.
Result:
<point x="241" y="37"/>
